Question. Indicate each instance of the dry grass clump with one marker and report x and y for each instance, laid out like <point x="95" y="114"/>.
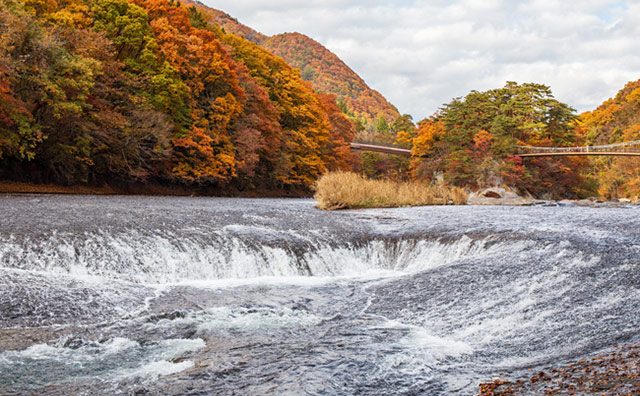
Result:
<point x="347" y="190"/>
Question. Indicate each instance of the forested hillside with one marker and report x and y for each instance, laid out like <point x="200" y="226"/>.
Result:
<point x="162" y="92"/>
<point x="327" y="73"/>
<point x="323" y="69"/>
<point x="616" y="120"/>
<point x="149" y="90"/>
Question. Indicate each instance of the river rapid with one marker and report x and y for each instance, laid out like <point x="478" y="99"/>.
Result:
<point x="214" y="296"/>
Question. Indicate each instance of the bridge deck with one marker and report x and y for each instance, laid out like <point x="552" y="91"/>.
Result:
<point x="381" y="149"/>
<point x="581" y="153"/>
<point x="618" y="149"/>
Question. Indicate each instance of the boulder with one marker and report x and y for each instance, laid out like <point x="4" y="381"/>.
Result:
<point x="491" y="194"/>
<point x="584" y="202"/>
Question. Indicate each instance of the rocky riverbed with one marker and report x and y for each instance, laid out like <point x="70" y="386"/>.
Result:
<point x="614" y="373"/>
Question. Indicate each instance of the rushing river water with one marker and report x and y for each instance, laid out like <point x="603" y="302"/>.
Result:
<point x="207" y="296"/>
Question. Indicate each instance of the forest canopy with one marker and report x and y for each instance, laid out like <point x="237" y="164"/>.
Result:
<point x="148" y="90"/>
<point x="472" y="141"/>
<point x="157" y="92"/>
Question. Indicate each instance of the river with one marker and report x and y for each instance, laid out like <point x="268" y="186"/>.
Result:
<point x="216" y="296"/>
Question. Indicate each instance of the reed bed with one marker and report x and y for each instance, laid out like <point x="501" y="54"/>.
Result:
<point x="347" y="190"/>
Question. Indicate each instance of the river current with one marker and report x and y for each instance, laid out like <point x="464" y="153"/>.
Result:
<point x="214" y="296"/>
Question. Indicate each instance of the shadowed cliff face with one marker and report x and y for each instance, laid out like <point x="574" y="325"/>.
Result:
<point x="108" y="295"/>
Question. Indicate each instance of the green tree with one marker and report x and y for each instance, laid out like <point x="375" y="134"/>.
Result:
<point x="382" y="126"/>
<point x="482" y="129"/>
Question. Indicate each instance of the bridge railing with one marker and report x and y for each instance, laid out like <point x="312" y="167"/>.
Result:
<point x="390" y="145"/>
<point x="616" y="147"/>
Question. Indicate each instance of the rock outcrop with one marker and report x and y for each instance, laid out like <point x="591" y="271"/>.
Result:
<point x="498" y="196"/>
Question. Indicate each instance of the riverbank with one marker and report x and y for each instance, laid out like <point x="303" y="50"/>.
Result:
<point x="416" y="196"/>
<point x="348" y="190"/>
<point x="14" y="187"/>
<point x="613" y="373"/>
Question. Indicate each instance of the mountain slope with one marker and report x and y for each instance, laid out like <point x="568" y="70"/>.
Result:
<point x="329" y="74"/>
<point x="325" y="71"/>
<point x="617" y="119"/>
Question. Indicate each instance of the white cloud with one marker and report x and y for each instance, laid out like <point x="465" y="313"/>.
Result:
<point x="422" y="53"/>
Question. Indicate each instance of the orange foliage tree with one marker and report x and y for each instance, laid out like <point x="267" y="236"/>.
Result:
<point x="139" y="90"/>
<point x="204" y="151"/>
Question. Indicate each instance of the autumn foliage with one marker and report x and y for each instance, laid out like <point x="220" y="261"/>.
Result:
<point x="150" y="90"/>
<point x="163" y="91"/>
<point x="323" y="69"/>
<point x="616" y="120"/>
<point x="327" y="73"/>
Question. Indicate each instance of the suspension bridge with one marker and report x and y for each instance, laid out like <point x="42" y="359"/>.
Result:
<point x="626" y="149"/>
<point x="381" y="148"/>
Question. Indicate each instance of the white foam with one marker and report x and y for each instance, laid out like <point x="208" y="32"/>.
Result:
<point x="419" y="351"/>
<point x="161" y="258"/>
<point x="243" y="319"/>
<point x="430" y="347"/>
<point x="62" y="363"/>
<point x="436" y="348"/>
<point x="88" y="352"/>
<point x="169" y="349"/>
<point x="256" y="319"/>
<point x="154" y="370"/>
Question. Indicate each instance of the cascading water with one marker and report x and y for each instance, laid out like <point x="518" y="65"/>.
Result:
<point x="112" y="295"/>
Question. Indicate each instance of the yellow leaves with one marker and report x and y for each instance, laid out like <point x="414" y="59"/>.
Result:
<point x="70" y="13"/>
<point x="634" y="97"/>
<point x="196" y="58"/>
<point x="404" y="138"/>
<point x="429" y="132"/>
<point x="74" y="15"/>
<point x="304" y="152"/>
<point x="40" y="7"/>
<point x="616" y="120"/>
<point x="605" y="115"/>
<point x="632" y="132"/>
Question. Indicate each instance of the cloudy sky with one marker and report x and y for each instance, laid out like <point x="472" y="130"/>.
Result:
<point x="422" y="53"/>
